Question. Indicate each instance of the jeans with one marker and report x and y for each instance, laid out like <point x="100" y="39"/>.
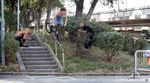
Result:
<point x="21" y="41"/>
<point x="88" y="41"/>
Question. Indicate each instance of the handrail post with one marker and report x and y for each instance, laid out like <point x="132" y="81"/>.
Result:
<point x="63" y="55"/>
<point x="135" y="65"/>
<point x="56" y="48"/>
<point x="56" y="51"/>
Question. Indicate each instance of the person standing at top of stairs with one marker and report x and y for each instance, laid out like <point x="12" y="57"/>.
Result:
<point x="23" y="35"/>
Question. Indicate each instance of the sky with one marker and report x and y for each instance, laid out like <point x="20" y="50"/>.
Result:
<point x="99" y="7"/>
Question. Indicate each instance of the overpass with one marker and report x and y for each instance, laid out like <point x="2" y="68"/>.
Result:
<point x="129" y="17"/>
<point x="129" y="23"/>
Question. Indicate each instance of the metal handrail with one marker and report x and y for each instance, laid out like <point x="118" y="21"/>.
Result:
<point x="56" y="50"/>
<point x="57" y="43"/>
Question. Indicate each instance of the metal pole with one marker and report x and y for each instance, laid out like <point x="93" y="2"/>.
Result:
<point x="135" y="65"/>
<point x="56" y="47"/>
<point x="63" y="55"/>
<point x="18" y="15"/>
<point x="2" y="33"/>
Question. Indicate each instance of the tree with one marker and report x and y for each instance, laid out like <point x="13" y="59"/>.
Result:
<point x="28" y="12"/>
<point x="80" y="5"/>
<point x="51" y="4"/>
<point x="10" y="4"/>
<point x="110" y="43"/>
<point x="93" y="5"/>
<point x="48" y="12"/>
<point x="91" y="9"/>
<point x="10" y="14"/>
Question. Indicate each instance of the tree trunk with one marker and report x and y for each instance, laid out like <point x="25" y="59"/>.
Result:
<point x="39" y="18"/>
<point x="48" y="13"/>
<point x="36" y="18"/>
<point x="90" y="12"/>
<point x="79" y="8"/>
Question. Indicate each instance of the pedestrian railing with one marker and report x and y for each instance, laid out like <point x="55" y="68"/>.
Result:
<point x="142" y="61"/>
<point x="57" y="44"/>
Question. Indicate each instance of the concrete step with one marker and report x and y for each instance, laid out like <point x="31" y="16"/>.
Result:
<point x="41" y="66"/>
<point x="43" y="70"/>
<point x="32" y="44"/>
<point x="35" y="55"/>
<point x="34" y="52"/>
<point x="33" y="41"/>
<point x="37" y="58"/>
<point x="39" y="62"/>
<point x="34" y="37"/>
<point x="34" y="49"/>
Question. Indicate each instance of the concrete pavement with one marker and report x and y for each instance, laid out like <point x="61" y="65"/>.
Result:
<point x="72" y="79"/>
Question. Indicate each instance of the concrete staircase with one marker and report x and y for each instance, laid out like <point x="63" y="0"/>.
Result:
<point x="38" y="58"/>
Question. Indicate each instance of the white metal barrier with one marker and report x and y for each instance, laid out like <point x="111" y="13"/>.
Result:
<point x="142" y="61"/>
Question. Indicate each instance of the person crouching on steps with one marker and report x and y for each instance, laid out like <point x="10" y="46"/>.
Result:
<point x="21" y="36"/>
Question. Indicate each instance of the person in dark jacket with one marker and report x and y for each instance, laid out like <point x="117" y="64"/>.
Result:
<point x="89" y="33"/>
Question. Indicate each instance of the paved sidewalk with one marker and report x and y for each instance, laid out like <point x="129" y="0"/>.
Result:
<point x="72" y="79"/>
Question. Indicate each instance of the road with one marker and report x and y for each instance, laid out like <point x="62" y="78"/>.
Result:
<point x="71" y="79"/>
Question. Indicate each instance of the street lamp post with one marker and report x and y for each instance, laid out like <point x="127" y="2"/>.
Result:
<point x="2" y="33"/>
<point x="18" y="15"/>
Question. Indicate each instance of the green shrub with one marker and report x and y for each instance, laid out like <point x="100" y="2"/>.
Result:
<point x="104" y="38"/>
<point x="129" y="45"/>
<point x="10" y="20"/>
<point x="141" y="44"/>
<point x="110" y="43"/>
<point x="11" y="45"/>
<point x="73" y="24"/>
<point x="10" y="68"/>
<point x="99" y="27"/>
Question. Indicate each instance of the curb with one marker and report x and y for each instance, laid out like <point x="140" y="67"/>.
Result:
<point x="66" y="74"/>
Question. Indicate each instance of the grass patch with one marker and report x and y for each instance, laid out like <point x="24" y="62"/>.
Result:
<point x="122" y="63"/>
<point x="77" y="64"/>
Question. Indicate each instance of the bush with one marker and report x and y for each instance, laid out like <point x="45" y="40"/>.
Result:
<point x="10" y="68"/>
<point x="141" y="44"/>
<point x="104" y="38"/>
<point x="73" y="24"/>
<point x="11" y="47"/>
<point x="129" y="45"/>
<point x="99" y="27"/>
<point x="110" y="43"/>
<point x="10" y="20"/>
